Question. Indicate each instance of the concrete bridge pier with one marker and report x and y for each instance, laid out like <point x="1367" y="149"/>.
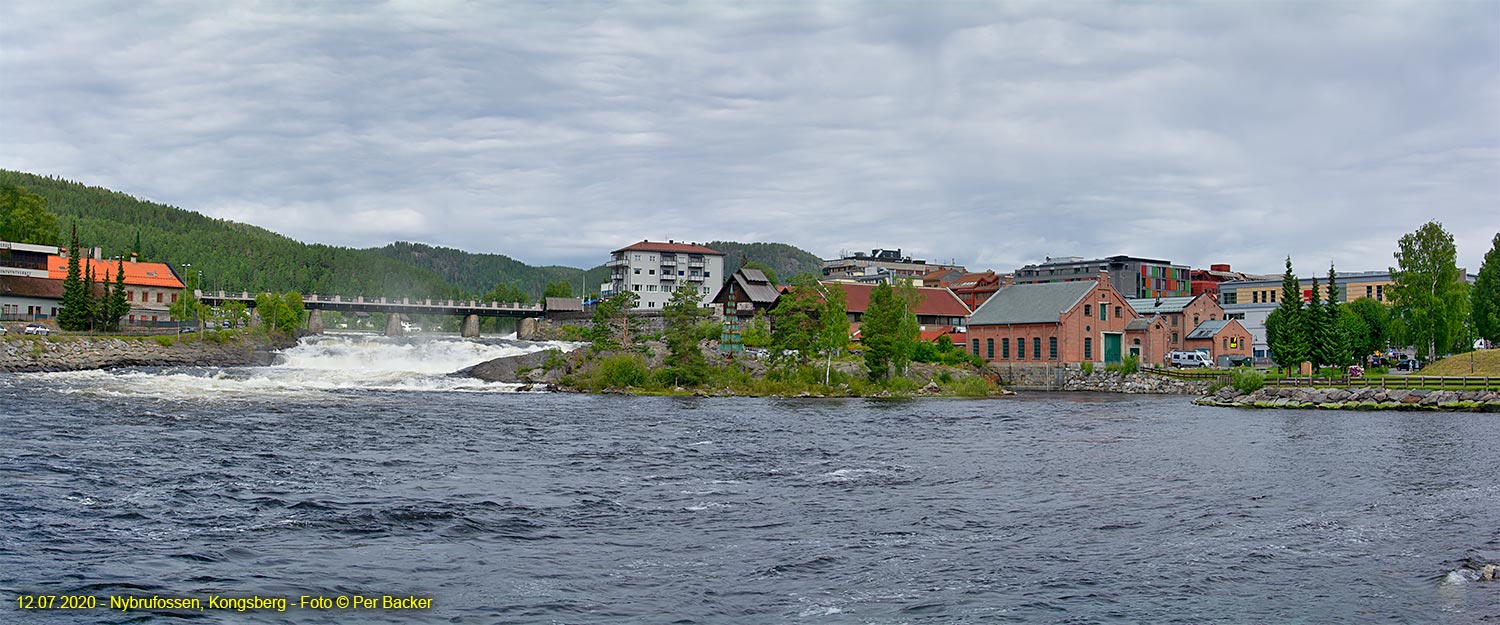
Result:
<point x="315" y="321"/>
<point x="393" y="325"/>
<point x="471" y="327"/>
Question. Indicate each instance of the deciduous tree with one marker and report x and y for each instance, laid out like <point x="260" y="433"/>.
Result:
<point x="1429" y="294"/>
<point x="1484" y="298"/>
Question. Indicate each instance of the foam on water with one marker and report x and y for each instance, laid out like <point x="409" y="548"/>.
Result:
<point x="316" y="365"/>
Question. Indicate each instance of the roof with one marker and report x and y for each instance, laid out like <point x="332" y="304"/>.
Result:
<point x="755" y="285"/>
<point x="936" y="301"/>
<point x="669" y="246"/>
<point x="1156" y="305"/>
<point x="1032" y="303"/>
<point x="22" y="286"/>
<point x="971" y="280"/>
<point x="1208" y="329"/>
<point x="1138" y="323"/>
<point x="136" y="274"/>
<point x="565" y="304"/>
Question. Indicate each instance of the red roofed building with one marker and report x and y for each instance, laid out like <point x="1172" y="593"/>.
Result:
<point x="151" y="288"/>
<point x="937" y="309"/>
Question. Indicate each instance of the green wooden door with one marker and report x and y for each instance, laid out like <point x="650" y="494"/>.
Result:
<point x="1111" y="348"/>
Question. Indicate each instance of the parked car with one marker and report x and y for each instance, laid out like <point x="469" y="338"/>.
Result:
<point x="224" y="324"/>
<point x="37" y="328"/>
<point x="1189" y="359"/>
<point x="1410" y="364"/>
<point x="186" y="329"/>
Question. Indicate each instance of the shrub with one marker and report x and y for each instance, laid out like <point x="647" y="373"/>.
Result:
<point x="1088" y="368"/>
<point x="973" y="386"/>
<point x="708" y="330"/>
<point x="554" y="360"/>
<point x="903" y="385"/>
<point x="1247" y="380"/>
<point x="164" y="340"/>
<point x="620" y="371"/>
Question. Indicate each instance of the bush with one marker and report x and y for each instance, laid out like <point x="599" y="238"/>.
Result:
<point x="164" y="340"/>
<point x="903" y="385"/>
<point x="708" y="330"/>
<point x="620" y="371"/>
<point x="1129" y="365"/>
<point x="1247" y="380"/>
<point x="973" y="386"/>
<point x="1088" y="368"/>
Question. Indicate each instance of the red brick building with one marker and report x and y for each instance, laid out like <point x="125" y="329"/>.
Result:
<point x="1221" y="338"/>
<point x="1165" y="324"/>
<point x="1057" y="322"/>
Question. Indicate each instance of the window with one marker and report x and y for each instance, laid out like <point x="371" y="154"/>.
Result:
<point x="976" y="347"/>
<point x="1174" y="337"/>
<point x="989" y="349"/>
<point x="1005" y="349"/>
<point x="1273" y="297"/>
<point x="1380" y="292"/>
<point x="1036" y="348"/>
<point x="650" y="272"/>
<point x="651" y="258"/>
<point x="650" y="287"/>
<point x="650" y="304"/>
<point x="1052" y="347"/>
<point x="1088" y="348"/>
<point x="1118" y="312"/>
<point x="174" y="297"/>
<point x="637" y="271"/>
<point x="637" y="256"/>
<point x="1088" y="310"/>
<point x="636" y="286"/>
<point x="1020" y="348"/>
<point x="1195" y="321"/>
<point x="130" y="296"/>
<point x="1255" y="297"/>
<point x="706" y="274"/>
<point x="1174" y="320"/>
<point x="1103" y="311"/>
<point x="1226" y="342"/>
<point x="158" y="297"/>
<point x="1369" y="291"/>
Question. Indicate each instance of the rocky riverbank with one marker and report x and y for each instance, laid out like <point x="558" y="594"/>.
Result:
<point x="80" y="352"/>
<point x="1355" y="399"/>
<point x="1143" y="383"/>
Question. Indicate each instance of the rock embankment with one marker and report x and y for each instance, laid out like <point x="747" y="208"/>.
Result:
<point x="1145" y="383"/>
<point x="75" y="353"/>
<point x="1355" y="399"/>
<point x="543" y="367"/>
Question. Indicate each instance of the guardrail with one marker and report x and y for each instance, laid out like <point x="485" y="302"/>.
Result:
<point x="1436" y="382"/>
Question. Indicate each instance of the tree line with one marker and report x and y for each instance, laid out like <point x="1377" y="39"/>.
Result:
<point x="1433" y="308"/>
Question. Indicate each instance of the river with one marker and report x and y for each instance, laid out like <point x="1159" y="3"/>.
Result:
<point x="356" y="466"/>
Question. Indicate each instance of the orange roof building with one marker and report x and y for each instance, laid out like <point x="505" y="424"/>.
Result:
<point x="136" y="274"/>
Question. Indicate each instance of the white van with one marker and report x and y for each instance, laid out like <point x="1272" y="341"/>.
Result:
<point x="1189" y="359"/>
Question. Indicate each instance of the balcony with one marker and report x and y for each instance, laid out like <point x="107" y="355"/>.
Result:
<point x="695" y="278"/>
<point x="668" y="262"/>
<point x="695" y="264"/>
<point x="668" y="276"/>
<point x="618" y="262"/>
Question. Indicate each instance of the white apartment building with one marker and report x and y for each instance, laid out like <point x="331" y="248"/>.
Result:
<point x="653" y="270"/>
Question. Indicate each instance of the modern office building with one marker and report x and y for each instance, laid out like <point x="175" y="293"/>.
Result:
<point x="880" y="266"/>
<point x="1131" y="277"/>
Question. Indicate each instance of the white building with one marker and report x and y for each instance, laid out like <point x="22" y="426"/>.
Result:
<point x="653" y="270"/>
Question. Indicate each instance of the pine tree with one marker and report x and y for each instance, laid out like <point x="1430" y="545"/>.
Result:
<point x="1316" y="322"/>
<point x="1335" y="344"/>
<point x="74" y="315"/>
<point x="879" y="329"/>
<point x="118" y="306"/>
<point x="1286" y="331"/>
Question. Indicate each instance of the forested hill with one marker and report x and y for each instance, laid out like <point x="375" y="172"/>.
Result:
<point x="237" y="256"/>
<point x="478" y="273"/>
<point x="787" y="261"/>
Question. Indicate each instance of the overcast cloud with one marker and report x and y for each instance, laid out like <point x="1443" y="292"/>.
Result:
<point x="994" y="134"/>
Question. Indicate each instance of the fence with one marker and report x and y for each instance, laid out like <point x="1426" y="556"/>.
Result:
<point x="1434" y="382"/>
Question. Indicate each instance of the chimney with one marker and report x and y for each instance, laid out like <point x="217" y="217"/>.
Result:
<point x="1219" y="267"/>
<point x="132" y="257"/>
<point x="98" y="253"/>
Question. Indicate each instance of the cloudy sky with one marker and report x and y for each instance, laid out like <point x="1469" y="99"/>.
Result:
<point x="992" y="133"/>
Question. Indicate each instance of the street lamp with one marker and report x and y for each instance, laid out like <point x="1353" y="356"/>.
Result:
<point x="183" y="300"/>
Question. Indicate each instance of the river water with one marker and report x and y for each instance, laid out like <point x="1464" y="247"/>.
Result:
<point x="357" y="467"/>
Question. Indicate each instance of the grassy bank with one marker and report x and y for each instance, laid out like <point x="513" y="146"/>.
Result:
<point x="632" y="374"/>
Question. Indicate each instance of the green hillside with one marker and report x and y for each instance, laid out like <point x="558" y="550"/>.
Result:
<point x="787" y="261"/>
<point x="236" y="256"/>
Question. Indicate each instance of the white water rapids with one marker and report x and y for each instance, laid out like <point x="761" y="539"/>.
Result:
<point x="317" y="365"/>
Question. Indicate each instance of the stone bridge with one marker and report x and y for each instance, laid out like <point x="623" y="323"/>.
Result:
<point x="470" y="310"/>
